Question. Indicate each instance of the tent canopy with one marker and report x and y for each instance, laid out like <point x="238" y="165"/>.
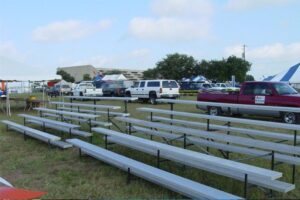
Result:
<point x="291" y="75"/>
<point x="63" y="82"/>
<point x="114" y="77"/>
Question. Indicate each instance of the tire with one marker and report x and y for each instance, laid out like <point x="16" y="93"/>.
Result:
<point x="152" y="98"/>
<point x="289" y="118"/>
<point x="214" y="111"/>
<point x="81" y="94"/>
<point x="127" y="94"/>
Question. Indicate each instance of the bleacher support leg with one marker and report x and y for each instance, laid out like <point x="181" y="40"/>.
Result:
<point x="129" y="128"/>
<point x="90" y="125"/>
<point x="272" y="160"/>
<point x="105" y="140"/>
<point x="245" y="186"/>
<point x="125" y="106"/>
<point x="24" y="136"/>
<point x="49" y="144"/>
<point x="228" y="133"/>
<point x="207" y="126"/>
<point x="108" y="119"/>
<point x="294" y="166"/>
<point x="158" y="159"/>
<point x="184" y="141"/>
<point x="128" y="175"/>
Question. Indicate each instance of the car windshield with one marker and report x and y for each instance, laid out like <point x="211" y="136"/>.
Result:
<point x="283" y="88"/>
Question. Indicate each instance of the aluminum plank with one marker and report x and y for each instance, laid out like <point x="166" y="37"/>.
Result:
<point x="188" y="154"/>
<point x="224" y="119"/>
<point x="49" y="121"/>
<point x="226" y="147"/>
<point x="75" y="114"/>
<point x="217" y="136"/>
<point x="103" y="98"/>
<point x="85" y="105"/>
<point x="171" y="181"/>
<point x="230" y="105"/>
<point x="274" y="135"/>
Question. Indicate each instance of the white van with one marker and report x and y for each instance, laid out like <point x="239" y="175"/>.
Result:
<point x="153" y="89"/>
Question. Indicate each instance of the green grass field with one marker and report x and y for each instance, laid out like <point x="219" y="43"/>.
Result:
<point x="61" y="173"/>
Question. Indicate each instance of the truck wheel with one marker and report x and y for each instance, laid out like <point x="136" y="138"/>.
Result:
<point x="127" y="94"/>
<point x="289" y="118"/>
<point x="152" y="98"/>
<point x="215" y="111"/>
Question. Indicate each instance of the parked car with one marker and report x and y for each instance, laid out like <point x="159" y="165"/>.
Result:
<point x="86" y="88"/>
<point x="153" y="89"/>
<point x="52" y="92"/>
<point x="63" y="88"/>
<point x="116" y="88"/>
<point x="223" y="86"/>
<point x="255" y="93"/>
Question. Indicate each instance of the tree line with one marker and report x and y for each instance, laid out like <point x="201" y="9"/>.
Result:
<point x="177" y="66"/>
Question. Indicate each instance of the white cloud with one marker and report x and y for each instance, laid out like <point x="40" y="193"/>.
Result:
<point x="139" y="53"/>
<point x="9" y="50"/>
<point x="137" y="58"/>
<point x="241" y="5"/>
<point x="68" y="30"/>
<point x="268" y="59"/>
<point x="171" y="8"/>
<point x="175" y="20"/>
<point x="169" y="29"/>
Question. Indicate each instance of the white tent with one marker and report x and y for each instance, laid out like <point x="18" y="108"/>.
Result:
<point x="114" y="77"/>
<point x="63" y="82"/>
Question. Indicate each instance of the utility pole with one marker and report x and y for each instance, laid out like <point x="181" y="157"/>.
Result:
<point x="244" y="52"/>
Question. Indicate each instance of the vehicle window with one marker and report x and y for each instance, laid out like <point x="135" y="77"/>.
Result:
<point x="248" y="89"/>
<point x="257" y="89"/>
<point x="206" y="86"/>
<point x="136" y="84"/>
<point x="65" y="86"/>
<point x="169" y="84"/>
<point x="261" y="89"/>
<point x="283" y="88"/>
<point x="142" y="84"/>
<point x="153" y="84"/>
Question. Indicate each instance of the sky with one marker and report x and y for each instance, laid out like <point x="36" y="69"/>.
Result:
<point x="37" y="36"/>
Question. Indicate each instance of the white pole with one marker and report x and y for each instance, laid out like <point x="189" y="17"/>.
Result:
<point x="43" y="94"/>
<point x="8" y="113"/>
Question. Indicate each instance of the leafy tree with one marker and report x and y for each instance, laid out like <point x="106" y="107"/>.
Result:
<point x="249" y="78"/>
<point x="151" y="74"/>
<point x="86" y="77"/>
<point x="176" y="66"/>
<point x="66" y="76"/>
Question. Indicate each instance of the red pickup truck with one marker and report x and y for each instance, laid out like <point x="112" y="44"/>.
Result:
<point x="255" y="93"/>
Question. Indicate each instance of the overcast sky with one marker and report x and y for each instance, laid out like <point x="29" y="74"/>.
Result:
<point x="37" y="36"/>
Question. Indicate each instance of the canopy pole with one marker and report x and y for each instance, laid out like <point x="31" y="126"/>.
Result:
<point x="8" y="113"/>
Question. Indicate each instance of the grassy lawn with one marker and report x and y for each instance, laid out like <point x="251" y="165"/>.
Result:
<point x="63" y="174"/>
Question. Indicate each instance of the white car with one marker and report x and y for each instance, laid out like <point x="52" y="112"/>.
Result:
<point x="86" y="89"/>
<point x="153" y="89"/>
<point x="224" y="87"/>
